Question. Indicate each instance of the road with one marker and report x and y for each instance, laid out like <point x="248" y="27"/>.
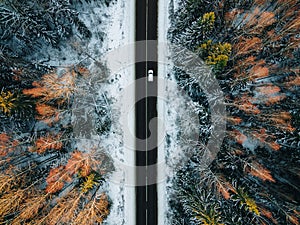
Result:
<point x="146" y="196"/>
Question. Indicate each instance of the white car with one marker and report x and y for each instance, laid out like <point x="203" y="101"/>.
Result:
<point x="150" y="75"/>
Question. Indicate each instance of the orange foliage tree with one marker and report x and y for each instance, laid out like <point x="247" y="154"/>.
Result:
<point x="49" y="142"/>
<point x="54" y="87"/>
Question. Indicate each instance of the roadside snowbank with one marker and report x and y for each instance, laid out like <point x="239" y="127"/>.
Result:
<point x="119" y="32"/>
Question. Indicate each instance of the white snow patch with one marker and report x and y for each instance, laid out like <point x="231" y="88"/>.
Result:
<point x="120" y="32"/>
<point x="163" y="26"/>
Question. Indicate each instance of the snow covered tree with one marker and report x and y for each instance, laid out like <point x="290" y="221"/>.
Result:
<point x="249" y="182"/>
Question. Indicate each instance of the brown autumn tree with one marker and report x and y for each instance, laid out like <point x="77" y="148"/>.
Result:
<point x="54" y="87"/>
<point x="49" y="142"/>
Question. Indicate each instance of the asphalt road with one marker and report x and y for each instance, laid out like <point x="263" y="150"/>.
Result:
<point x="145" y="110"/>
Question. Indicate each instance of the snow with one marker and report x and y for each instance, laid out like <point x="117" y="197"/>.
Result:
<point x="120" y="33"/>
<point x="163" y="25"/>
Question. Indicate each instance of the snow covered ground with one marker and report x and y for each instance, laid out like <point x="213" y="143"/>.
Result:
<point x="120" y="33"/>
<point x="163" y="69"/>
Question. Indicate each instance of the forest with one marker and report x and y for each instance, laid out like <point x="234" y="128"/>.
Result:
<point x="50" y="174"/>
<point x="252" y="47"/>
<point x="47" y="176"/>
